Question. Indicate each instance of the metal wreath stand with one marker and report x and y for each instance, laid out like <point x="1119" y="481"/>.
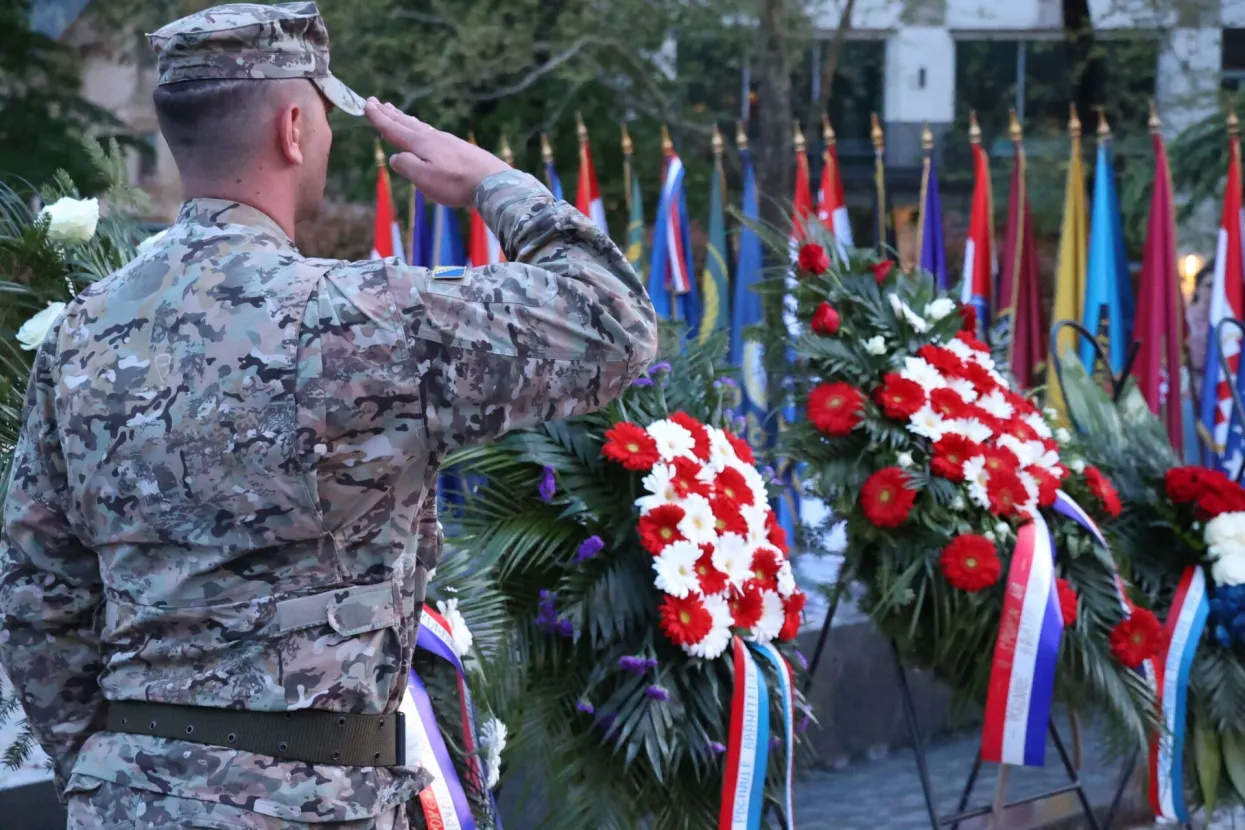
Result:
<point x="1070" y="764"/>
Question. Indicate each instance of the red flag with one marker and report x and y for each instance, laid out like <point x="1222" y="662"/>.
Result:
<point x="980" y="264"/>
<point x="386" y="235"/>
<point x="802" y="202"/>
<point x="482" y="246"/>
<point x="1160" y="307"/>
<point x="1020" y="329"/>
<point x="831" y="204"/>
<point x="588" y="195"/>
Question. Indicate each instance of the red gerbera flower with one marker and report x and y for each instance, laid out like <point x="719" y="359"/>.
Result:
<point x="1048" y="485"/>
<point x="1067" y="601"/>
<point x="944" y="360"/>
<point x="950" y="453"/>
<point x="685" y="479"/>
<point x="777" y="533"/>
<point x="1137" y="638"/>
<point x="1000" y="458"/>
<point x="685" y="621"/>
<point x="834" y="408"/>
<point x="727" y="518"/>
<point x="731" y="485"/>
<point x="970" y="563"/>
<point x="766" y="563"/>
<point x="742" y="451"/>
<point x="968" y="317"/>
<point x="825" y="320"/>
<point x="995" y="425"/>
<point x="1006" y="491"/>
<point x="979" y="376"/>
<point x="659" y="527"/>
<point x="1102" y="487"/>
<point x="1022" y="430"/>
<point x="899" y="397"/>
<point x="970" y="339"/>
<point x="813" y="259"/>
<point x="746" y="607"/>
<point x="631" y="447"/>
<point x="1020" y="403"/>
<point x="885" y="497"/>
<point x="882" y="270"/>
<point x="793" y="611"/>
<point x="712" y="581"/>
<point x="699" y="434"/>
<point x="948" y="403"/>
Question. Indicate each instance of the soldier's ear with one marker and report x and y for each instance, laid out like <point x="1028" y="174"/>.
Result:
<point x="291" y="130"/>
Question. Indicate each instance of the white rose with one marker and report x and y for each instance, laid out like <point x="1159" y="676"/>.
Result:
<point x="35" y="330"/>
<point x="958" y="504"/>
<point x="902" y="309"/>
<point x="1062" y="435"/>
<point x="149" y="241"/>
<point x="1077" y="465"/>
<point x="72" y="220"/>
<point x="1001" y="528"/>
<point x="1225" y="538"/>
<point x="1229" y="570"/>
<point x="939" y="308"/>
<point x="875" y="346"/>
<point x="904" y="460"/>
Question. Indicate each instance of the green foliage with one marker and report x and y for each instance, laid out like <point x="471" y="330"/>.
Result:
<point x="629" y="760"/>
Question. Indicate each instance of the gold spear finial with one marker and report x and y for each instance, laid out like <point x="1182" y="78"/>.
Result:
<point x="875" y="132"/>
<point x="1104" y="129"/>
<point x="718" y="144"/>
<point x="1154" y="123"/>
<point x="1014" y="130"/>
<point x="506" y="155"/>
<point x="927" y="138"/>
<point x="626" y="141"/>
<point x="974" y="129"/>
<point x="380" y="155"/>
<point x="580" y="128"/>
<point x="667" y="146"/>
<point x="1074" y="122"/>
<point x="797" y="141"/>
<point x="546" y="151"/>
<point x="827" y="132"/>
<point x="471" y="136"/>
<point x="741" y="136"/>
<point x="1234" y="126"/>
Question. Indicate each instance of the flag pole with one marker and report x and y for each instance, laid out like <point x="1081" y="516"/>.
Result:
<point x="626" y="149"/>
<point x="506" y="154"/>
<point x="827" y="157"/>
<point x="1016" y="133"/>
<point x="719" y="146"/>
<point x="801" y="158"/>
<point x="879" y="178"/>
<point x="927" y="144"/>
<point x="667" y="148"/>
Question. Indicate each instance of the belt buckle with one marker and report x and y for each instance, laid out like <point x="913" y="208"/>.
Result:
<point x="400" y="736"/>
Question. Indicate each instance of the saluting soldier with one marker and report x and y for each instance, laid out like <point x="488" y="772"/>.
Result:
<point x="219" y="528"/>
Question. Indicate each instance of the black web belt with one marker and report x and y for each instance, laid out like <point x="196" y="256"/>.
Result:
<point x="313" y="736"/>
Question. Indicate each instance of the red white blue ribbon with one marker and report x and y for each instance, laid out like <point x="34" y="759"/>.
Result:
<point x="786" y="691"/>
<point x="444" y="801"/>
<point x="1022" y="679"/>
<point x="1185" y="622"/>
<point x="747" y="752"/>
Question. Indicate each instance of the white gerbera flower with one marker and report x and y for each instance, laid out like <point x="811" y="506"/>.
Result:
<point x="1038" y="424"/>
<point x="660" y="484"/>
<point x="721" y="453"/>
<point x="719" y="636"/>
<point x="786" y="579"/>
<point x="756" y="483"/>
<point x="997" y="405"/>
<point x="1031" y="490"/>
<point x="876" y="346"/>
<point x="920" y="372"/>
<point x="902" y="309"/>
<point x="676" y="569"/>
<point x="975" y="477"/>
<point x="963" y="388"/>
<point x="672" y="439"/>
<point x="772" y="617"/>
<point x="459" y="632"/>
<point x="493" y="734"/>
<point x="1023" y="450"/>
<point x="927" y="423"/>
<point x="755" y="516"/>
<point x="698" y="525"/>
<point x="939" y="308"/>
<point x="733" y="557"/>
<point x="971" y="428"/>
<point x="960" y="349"/>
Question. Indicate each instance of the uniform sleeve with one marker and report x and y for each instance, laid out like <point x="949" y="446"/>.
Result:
<point x="50" y="587"/>
<point x="560" y="328"/>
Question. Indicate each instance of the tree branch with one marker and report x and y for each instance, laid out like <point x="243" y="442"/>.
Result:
<point x="831" y="66"/>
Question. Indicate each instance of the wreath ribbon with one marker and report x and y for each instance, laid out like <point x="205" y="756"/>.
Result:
<point x="747" y="753"/>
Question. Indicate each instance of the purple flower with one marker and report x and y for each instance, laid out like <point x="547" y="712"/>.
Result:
<point x="565" y="629"/>
<point x="775" y="742"/>
<point x="605" y="720"/>
<point x="768" y="473"/>
<point x="729" y="382"/>
<point x="663" y="366"/>
<point x="803" y="727"/>
<point x="741" y="424"/>
<point x="717" y="384"/>
<point x="548" y="484"/>
<point x="638" y="665"/>
<point x="642" y="381"/>
<point x="728" y="414"/>
<point x="717" y="747"/>
<point x="589" y="548"/>
<point x="584" y="706"/>
<point x="650" y="663"/>
<point x="656" y="692"/>
<point x="799" y="656"/>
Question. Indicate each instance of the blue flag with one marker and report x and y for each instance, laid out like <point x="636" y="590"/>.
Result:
<point x="1108" y="287"/>
<point x="671" y="282"/>
<point x="551" y="178"/>
<point x="933" y="241"/>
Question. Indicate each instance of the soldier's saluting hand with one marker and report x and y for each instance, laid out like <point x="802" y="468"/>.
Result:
<point x="217" y="538"/>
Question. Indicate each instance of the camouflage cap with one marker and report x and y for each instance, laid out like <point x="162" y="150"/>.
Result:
<point x="249" y="40"/>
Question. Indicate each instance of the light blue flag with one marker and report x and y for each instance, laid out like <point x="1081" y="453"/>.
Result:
<point x="1107" y="283"/>
<point x="551" y="178"/>
<point x="671" y="282"/>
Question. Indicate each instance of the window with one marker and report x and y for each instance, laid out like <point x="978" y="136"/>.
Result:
<point x="1233" y="59"/>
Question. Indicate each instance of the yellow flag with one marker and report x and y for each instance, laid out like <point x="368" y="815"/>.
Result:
<point x="1070" y="279"/>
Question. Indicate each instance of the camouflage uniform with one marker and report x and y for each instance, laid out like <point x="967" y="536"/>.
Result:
<point x="222" y="492"/>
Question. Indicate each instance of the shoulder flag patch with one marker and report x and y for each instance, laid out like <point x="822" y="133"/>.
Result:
<point x="448" y="272"/>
